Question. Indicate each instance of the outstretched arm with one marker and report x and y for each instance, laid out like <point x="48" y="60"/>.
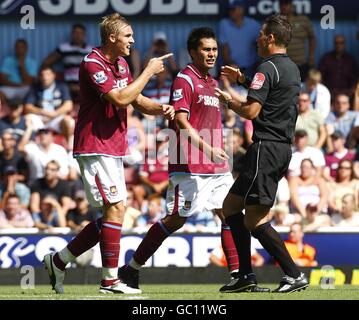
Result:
<point x="121" y="98"/>
<point x="147" y="106"/>
<point x="248" y="109"/>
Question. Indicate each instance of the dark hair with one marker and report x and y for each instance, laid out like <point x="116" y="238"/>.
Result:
<point x="352" y="176"/>
<point x="20" y="40"/>
<point x="285" y="2"/>
<point x="78" y="26"/>
<point x="54" y="162"/>
<point x="197" y="35"/>
<point x="46" y="67"/>
<point x="341" y="94"/>
<point x="13" y="195"/>
<point x="308" y="160"/>
<point x="280" y="27"/>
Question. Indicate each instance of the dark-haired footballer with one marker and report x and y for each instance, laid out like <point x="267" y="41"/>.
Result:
<point x="199" y="171"/>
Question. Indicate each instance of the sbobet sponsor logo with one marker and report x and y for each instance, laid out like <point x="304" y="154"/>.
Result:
<point x="134" y="7"/>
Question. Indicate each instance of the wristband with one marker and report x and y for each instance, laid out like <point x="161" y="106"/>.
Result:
<point x="227" y="103"/>
<point x="247" y="82"/>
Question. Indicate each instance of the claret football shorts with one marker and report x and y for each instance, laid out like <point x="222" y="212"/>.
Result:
<point x="104" y="179"/>
<point x="191" y="194"/>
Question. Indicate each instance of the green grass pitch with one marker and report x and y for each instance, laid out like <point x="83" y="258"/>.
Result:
<point x="174" y="292"/>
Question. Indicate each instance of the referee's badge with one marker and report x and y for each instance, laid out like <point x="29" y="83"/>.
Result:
<point x="258" y="81"/>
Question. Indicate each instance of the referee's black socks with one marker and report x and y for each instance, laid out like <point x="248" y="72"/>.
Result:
<point x="273" y="243"/>
<point x="242" y="239"/>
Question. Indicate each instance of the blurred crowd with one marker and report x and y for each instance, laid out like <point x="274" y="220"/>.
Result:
<point x="40" y="182"/>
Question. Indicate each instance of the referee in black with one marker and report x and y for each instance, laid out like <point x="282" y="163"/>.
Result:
<point x="272" y="105"/>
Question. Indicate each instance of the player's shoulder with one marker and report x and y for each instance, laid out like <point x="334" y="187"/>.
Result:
<point x="266" y="66"/>
<point x="278" y="65"/>
<point x="185" y="71"/>
<point x="122" y="60"/>
<point x="93" y="60"/>
<point x="185" y="78"/>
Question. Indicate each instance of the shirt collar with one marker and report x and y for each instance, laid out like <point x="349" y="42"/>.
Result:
<point x="51" y="88"/>
<point x="98" y="52"/>
<point x="197" y="73"/>
<point x="275" y="55"/>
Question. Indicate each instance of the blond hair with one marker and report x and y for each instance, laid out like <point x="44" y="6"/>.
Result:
<point x="315" y="75"/>
<point x="112" y="24"/>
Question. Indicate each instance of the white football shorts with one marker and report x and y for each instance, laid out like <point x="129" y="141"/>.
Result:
<point x="191" y="194"/>
<point x="104" y="179"/>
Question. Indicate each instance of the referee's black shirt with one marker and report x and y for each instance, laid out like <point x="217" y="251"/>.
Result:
<point x="276" y="85"/>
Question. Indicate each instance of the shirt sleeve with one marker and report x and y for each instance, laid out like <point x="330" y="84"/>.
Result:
<point x="248" y="126"/>
<point x="318" y="158"/>
<point x="65" y="190"/>
<point x="31" y="96"/>
<point x="32" y="67"/>
<point x="182" y="92"/>
<point x="100" y="79"/>
<point x="36" y="216"/>
<point x="309" y="28"/>
<point x="27" y="222"/>
<point x="55" y="220"/>
<point x="319" y="118"/>
<point x="144" y="170"/>
<point x="65" y="92"/>
<point x="261" y="83"/>
<point x="6" y="66"/>
<point x="330" y="119"/>
<point x="71" y="216"/>
<point x="356" y="118"/>
<point x="35" y="187"/>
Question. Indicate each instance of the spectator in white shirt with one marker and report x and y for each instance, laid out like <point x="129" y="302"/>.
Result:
<point x="40" y="153"/>
<point x="303" y="151"/>
<point x="319" y="93"/>
<point x="348" y="216"/>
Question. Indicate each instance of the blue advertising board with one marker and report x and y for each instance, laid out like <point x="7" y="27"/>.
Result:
<point x="181" y="250"/>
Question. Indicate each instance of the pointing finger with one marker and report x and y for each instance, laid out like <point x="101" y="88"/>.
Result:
<point x="166" y="56"/>
<point x="219" y="91"/>
<point x="229" y="68"/>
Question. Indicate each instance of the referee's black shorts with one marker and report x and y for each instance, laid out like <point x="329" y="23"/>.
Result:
<point x="265" y="163"/>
